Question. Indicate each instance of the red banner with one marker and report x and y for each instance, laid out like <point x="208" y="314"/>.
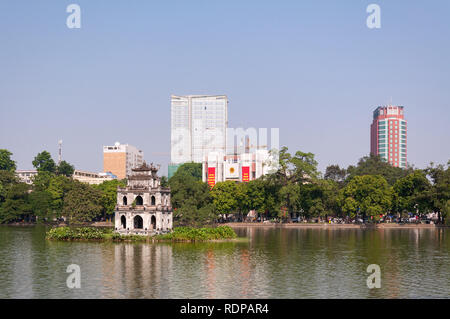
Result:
<point x="211" y="176"/>
<point x="245" y="173"/>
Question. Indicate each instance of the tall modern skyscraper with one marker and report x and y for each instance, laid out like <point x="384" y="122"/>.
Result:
<point x="388" y="135"/>
<point x="198" y="127"/>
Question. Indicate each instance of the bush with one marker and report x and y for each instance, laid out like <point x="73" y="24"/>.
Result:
<point x="80" y="233"/>
<point x="199" y="234"/>
<point x="179" y="234"/>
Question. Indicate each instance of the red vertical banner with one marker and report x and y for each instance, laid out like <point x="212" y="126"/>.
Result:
<point x="211" y="176"/>
<point x="245" y="173"/>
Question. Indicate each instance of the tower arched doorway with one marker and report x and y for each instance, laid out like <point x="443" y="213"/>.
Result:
<point x="123" y="222"/>
<point x="138" y="222"/>
<point x="139" y="201"/>
<point x="153" y="222"/>
<point x="125" y="201"/>
<point x="153" y="199"/>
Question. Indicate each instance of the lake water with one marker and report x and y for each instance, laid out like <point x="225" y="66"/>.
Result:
<point x="270" y="263"/>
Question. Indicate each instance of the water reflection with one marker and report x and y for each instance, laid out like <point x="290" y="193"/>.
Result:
<point x="272" y="263"/>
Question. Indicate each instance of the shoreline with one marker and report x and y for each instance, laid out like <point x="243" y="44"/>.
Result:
<point x="270" y="225"/>
<point x="337" y="226"/>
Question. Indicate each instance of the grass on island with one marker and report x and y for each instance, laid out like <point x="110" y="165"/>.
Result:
<point x="179" y="234"/>
<point x="198" y="234"/>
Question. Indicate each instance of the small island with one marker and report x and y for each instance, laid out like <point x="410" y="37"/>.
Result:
<point x="179" y="234"/>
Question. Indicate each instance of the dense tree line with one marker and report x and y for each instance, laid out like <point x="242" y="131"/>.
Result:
<point x="368" y="190"/>
<point x="53" y="194"/>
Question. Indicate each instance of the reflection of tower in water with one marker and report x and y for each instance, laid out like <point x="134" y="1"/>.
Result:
<point x="138" y="271"/>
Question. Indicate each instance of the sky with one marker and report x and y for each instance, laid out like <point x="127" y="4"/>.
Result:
<point x="311" y="68"/>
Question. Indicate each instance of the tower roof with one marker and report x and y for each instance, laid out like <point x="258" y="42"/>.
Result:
<point x="146" y="167"/>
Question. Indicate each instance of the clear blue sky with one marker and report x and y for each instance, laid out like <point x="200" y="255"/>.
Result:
<point x="311" y="68"/>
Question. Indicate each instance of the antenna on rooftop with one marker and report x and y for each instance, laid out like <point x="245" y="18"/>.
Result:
<point x="59" y="151"/>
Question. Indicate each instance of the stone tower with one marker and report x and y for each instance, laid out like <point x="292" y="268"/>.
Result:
<point x="143" y="206"/>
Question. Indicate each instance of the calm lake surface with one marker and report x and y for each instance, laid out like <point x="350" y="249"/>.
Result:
<point x="270" y="263"/>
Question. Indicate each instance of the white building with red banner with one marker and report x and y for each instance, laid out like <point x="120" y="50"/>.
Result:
<point x="218" y="167"/>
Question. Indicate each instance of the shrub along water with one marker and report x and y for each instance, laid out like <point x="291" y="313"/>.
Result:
<point x="198" y="234"/>
<point x="185" y="234"/>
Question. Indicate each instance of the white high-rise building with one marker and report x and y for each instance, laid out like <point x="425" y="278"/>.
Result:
<point x="198" y="127"/>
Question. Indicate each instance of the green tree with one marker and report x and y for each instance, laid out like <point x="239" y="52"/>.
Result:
<point x="109" y="196"/>
<point x="242" y="200"/>
<point x="6" y="163"/>
<point x="65" y="169"/>
<point x="7" y="179"/>
<point x="375" y="165"/>
<point x="301" y="168"/>
<point x="270" y="193"/>
<point x="16" y="206"/>
<point x="189" y="169"/>
<point x="40" y="202"/>
<point x="320" y="199"/>
<point x="290" y="196"/>
<point x="293" y="172"/>
<point x="440" y="192"/>
<point x="58" y="187"/>
<point x="191" y="201"/>
<point x="371" y="195"/>
<point x="164" y="181"/>
<point x="82" y="203"/>
<point x="335" y="173"/>
<point x="43" y="162"/>
<point x="412" y="193"/>
<point x="191" y="214"/>
<point x="42" y="180"/>
<point x="224" y="197"/>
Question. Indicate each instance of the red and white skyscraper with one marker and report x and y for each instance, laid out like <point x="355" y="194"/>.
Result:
<point x="388" y="135"/>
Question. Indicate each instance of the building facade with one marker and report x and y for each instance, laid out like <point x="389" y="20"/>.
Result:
<point x="198" y="127"/>
<point x="388" y="137"/>
<point x="120" y="159"/>
<point x="93" y="178"/>
<point x="245" y="167"/>
<point x="143" y="206"/>
<point x="26" y="176"/>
